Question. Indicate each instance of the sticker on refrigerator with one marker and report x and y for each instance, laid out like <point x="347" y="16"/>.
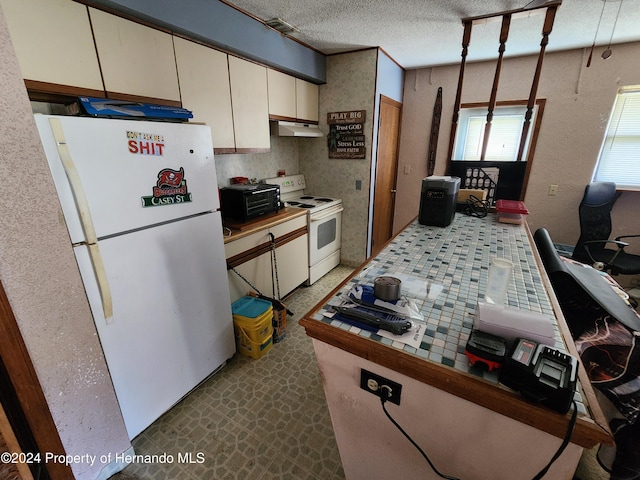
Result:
<point x="141" y="143"/>
<point x="170" y="189"/>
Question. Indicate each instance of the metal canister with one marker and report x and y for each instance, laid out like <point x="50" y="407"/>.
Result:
<point x="387" y="288"/>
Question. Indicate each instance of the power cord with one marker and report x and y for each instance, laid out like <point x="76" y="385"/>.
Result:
<point x="476" y="207"/>
<point x="383" y="400"/>
<point x="541" y="473"/>
<point x="565" y="442"/>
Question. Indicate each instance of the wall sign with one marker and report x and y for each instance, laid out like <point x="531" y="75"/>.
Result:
<point x="346" y="137"/>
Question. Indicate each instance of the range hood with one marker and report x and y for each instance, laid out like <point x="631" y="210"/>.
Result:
<point x="295" y="129"/>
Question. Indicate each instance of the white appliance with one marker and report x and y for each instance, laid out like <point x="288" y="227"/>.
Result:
<point x="140" y="200"/>
<point x="324" y="219"/>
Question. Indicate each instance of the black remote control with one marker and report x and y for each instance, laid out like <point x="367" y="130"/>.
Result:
<point x="391" y="323"/>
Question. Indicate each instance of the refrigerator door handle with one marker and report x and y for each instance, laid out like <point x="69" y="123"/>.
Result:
<point x="85" y="216"/>
<point x="103" y="282"/>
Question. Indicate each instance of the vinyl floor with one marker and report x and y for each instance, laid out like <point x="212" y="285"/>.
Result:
<point x="258" y="419"/>
<point x="263" y="419"/>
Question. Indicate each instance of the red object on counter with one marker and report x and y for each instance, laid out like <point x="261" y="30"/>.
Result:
<point x="511" y="206"/>
<point x="511" y="211"/>
<point x="239" y="180"/>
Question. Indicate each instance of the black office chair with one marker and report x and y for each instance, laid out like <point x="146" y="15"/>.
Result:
<point x="595" y="228"/>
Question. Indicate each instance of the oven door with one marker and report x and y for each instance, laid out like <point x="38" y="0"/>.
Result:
<point x="325" y="230"/>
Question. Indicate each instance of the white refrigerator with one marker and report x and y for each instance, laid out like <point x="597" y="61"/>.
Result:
<point x="140" y="200"/>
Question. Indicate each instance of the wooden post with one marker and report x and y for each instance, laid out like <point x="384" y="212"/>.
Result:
<point x="504" y="35"/>
<point x="546" y="30"/>
<point x="466" y="39"/>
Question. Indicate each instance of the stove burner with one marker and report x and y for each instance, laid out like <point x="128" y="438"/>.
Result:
<point x="324" y="200"/>
<point x="307" y="197"/>
<point x="293" y="202"/>
<point x="306" y="205"/>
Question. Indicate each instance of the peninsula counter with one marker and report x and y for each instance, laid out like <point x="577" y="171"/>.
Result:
<point x="469" y="425"/>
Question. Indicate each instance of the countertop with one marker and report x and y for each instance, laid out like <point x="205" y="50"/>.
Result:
<point x="233" y="230"/>
<point x="455" y="260"/>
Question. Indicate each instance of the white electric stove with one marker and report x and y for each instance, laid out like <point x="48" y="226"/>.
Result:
<point x="324" y="220"/>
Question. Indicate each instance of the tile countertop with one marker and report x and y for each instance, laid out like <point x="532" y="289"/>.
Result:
<point x="235" y="230"/>
<point x="455" y="259"/>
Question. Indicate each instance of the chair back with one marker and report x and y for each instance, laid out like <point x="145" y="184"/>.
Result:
<point x="595" y="217"/>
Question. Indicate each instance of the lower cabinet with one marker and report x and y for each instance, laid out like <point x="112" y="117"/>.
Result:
<point x="252" y="257"/>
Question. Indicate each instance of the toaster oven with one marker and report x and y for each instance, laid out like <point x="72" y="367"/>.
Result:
<point x="244" y="202"/>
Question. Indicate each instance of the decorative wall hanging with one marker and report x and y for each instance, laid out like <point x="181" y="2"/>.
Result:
<point x="346" y="138"/>
<point x="435" y="132"/>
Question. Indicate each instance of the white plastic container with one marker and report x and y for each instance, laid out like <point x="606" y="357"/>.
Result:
<point x="499" y="277"/>
<point x="511" y="323"/>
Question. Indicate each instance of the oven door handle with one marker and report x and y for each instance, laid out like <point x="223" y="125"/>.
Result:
<point x="326" y="213"/>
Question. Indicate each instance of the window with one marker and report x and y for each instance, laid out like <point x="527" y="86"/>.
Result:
<point x="504" y="139"/>
<point x="619" y="159"/>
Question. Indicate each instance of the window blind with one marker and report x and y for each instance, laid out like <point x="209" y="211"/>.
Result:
<point x="504" y="138"/>
<point x="619" y="159"/>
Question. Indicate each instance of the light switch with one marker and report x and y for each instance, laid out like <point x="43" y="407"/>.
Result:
<point x="553" y="189"/>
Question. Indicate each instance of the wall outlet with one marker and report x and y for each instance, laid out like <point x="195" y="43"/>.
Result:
<point x="373" y="383"/>
<point x="553" y="190"/>
<point x="358" y="184"/>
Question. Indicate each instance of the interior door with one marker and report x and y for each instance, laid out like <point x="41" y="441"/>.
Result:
<point x="386" y="172"/>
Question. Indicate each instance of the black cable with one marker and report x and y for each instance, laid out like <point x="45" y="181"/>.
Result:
<point x="565" y="442"/>
<point x="382" y="401"/>
<point x="541" y="473"/>
<point x="476" y="207"/>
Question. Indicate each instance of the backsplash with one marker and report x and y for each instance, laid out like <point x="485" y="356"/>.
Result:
<point x="283" y="156"/>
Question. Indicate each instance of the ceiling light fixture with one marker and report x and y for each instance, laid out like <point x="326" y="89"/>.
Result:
<point x="281" y="26"/>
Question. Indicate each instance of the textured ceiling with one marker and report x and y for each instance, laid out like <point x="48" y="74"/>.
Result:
<point x="419" y="33"/>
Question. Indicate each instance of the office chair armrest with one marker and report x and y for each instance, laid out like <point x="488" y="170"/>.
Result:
<point x="627" y="236"/>
<point x="599" y="265"/>
<point x="620" y="244"/>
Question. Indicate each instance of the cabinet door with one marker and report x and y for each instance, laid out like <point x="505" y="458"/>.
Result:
<point x="306" y="101"/>
<point x="282" y="94"/>
<point x="53" y="42"/>
<point x="257" y="271"/>
<point x="292" y="260"/>
<point x="204" y="87"/>
<point x="135" y="59"/>
<point x="250" y="105"/>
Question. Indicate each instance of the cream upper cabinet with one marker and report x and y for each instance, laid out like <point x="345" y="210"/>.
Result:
<point x="135" y="59"/>
<point x="306" y="101"/>
<point x="291" y="97"/>
<point x="53" y="42"/>
<point x="204" y="86"/>
<point x="250" y="104"/>
<point x="282" y="94"/>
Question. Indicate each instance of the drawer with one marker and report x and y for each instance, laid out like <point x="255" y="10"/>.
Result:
<point x="243" y="244"/>
<point x="289" y="226"/>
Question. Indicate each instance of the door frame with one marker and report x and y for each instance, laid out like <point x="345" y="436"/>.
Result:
<point x="15" y="356"/>
<point x="394" y="103"/>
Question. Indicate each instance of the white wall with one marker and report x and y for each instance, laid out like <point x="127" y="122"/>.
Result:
<point x="350" y="85"/>
<point x="579" y="101"/>
<point x="355" y="81"/>
<point x="39" y="274"/>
